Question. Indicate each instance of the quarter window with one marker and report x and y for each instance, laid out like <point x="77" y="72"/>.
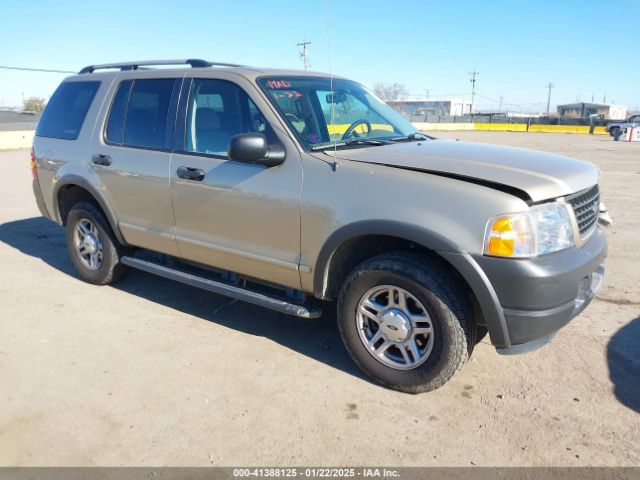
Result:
<point x="67" y="109"/>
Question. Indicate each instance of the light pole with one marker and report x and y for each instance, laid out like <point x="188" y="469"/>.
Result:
<point x="473" y="86"/>
<point x="303" y="53"/>
<point x="549" y="86"/>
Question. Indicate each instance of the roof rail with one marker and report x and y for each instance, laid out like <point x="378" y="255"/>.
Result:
<point x="194" y="62"/>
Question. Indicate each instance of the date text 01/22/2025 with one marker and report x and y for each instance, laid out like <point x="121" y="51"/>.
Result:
<point x="315" y="472"/>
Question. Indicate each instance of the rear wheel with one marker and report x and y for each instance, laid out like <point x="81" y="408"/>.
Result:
<point x="613" y="131"/>
<point x="92" y="246"/>
<point x="406" y="321"/>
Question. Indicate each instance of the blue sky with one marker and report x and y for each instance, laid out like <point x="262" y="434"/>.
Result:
<point x="517" y="46"/>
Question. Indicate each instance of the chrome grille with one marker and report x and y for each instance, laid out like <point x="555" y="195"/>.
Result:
<point x="586" y="207"/>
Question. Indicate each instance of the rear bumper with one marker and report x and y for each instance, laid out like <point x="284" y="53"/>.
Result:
<point x="528" y="300"/>
<point x="37" y="192"/>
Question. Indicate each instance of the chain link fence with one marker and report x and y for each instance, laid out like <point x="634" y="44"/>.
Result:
<point x="503" y="118"/>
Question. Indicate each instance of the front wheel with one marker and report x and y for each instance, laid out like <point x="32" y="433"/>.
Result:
<point x="406" y="321"/>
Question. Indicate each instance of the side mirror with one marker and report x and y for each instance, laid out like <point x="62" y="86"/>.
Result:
<point x="253" y="148"/>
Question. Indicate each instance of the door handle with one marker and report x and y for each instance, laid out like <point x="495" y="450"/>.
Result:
<point x="189" y="173"/>
<point x="100" y="159"/>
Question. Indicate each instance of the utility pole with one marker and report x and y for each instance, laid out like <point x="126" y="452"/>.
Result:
<point x="500" y="107"/>
<point x="473" y="86"/>
<point x="549" y="86"/>
<point x="303" y="53"/>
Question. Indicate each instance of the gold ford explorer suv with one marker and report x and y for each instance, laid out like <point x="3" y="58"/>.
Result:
<point x="290" y="189"/>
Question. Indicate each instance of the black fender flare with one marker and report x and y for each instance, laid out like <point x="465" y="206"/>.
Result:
<point x="72" y="179"/>
<point x="460" y="261"/>
<point x="421" y="236"/>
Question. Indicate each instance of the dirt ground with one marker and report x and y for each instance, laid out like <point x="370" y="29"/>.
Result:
<point x="150" y="372"/>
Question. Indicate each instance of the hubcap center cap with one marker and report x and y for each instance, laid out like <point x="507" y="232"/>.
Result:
<point x="395" y="325"/>
<point x="90" y="243"/>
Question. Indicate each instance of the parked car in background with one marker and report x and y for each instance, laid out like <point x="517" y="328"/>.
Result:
<point x="613" y="127"/>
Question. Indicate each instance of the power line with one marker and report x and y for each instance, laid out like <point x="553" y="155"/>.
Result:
<point x="28" y="69"/>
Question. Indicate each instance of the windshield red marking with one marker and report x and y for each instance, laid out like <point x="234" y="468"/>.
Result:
<point x="274" y="84"/>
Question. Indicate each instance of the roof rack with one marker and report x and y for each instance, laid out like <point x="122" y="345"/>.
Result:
<point x="194" y="62"/>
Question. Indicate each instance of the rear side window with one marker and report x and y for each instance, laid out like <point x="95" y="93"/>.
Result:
<point x="66" y="110"/>
<point x="139" y="112"/>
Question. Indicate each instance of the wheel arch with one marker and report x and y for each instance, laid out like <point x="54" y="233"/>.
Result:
<point x="336" y="260"/>
<point x="389" y="234"/>
<point x="72" y="188"/>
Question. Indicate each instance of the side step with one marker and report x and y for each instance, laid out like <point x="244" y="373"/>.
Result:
<point x="221" y="288"/>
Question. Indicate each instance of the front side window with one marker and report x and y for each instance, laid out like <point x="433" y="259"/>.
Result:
<point x="218" y="110"/>
<point x="138" y="116"/>
<point x="66" y="110"/>
<point x="322" y="112"/>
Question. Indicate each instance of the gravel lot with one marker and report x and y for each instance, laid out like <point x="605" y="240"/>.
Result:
<point x="150" y="372"/>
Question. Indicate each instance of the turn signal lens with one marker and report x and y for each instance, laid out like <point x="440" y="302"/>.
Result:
<point x="511" y="236"/>
<point x="501" y="239"/>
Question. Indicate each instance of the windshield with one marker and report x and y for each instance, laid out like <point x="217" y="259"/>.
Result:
<point x="359" y="118"/>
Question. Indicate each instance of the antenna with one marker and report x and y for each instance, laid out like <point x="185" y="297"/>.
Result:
<point x="334" y="166"/>
<point x="303" y="53"/>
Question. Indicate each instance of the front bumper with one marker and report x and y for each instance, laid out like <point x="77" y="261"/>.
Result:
<point x="541" y="295"/>
<point x="526" y="301"/>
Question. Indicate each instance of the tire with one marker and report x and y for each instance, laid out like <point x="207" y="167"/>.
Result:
<point x="612" y="131"/>
<point x="87" y="217"/>
<point x="430" y="287"/>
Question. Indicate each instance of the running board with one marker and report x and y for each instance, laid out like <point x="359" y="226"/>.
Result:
<point x="220" y="288"/>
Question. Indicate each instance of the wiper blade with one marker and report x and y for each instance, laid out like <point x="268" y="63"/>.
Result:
<point x="411" y="137"/>
<point x="354" y="141"/>
<point x="366" y="141"/>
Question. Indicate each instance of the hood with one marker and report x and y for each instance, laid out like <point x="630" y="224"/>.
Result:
<point x="540" y="175"/>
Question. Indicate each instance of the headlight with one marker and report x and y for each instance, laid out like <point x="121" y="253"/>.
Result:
<point x="545" y="228"/>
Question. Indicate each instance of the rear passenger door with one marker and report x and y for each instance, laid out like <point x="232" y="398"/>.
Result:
<point x="132" y="157"/>
<point x="237" y="216"/>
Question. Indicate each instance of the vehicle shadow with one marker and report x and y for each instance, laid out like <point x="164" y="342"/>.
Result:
<point x="623" y="357"/>
<point x="318" y="339"/>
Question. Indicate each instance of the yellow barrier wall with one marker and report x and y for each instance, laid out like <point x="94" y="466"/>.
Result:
<point x="432" y="127"/>
<point x="559" y="128"/>
<point x="339" y="129"/>
<point x="14" y="140"/>
<point x="508" y="127"/>
<point x="501" y="127"/>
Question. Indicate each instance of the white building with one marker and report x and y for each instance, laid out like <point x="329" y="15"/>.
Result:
<point x="586" y="109"/>
<point x="453" y="107"/>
